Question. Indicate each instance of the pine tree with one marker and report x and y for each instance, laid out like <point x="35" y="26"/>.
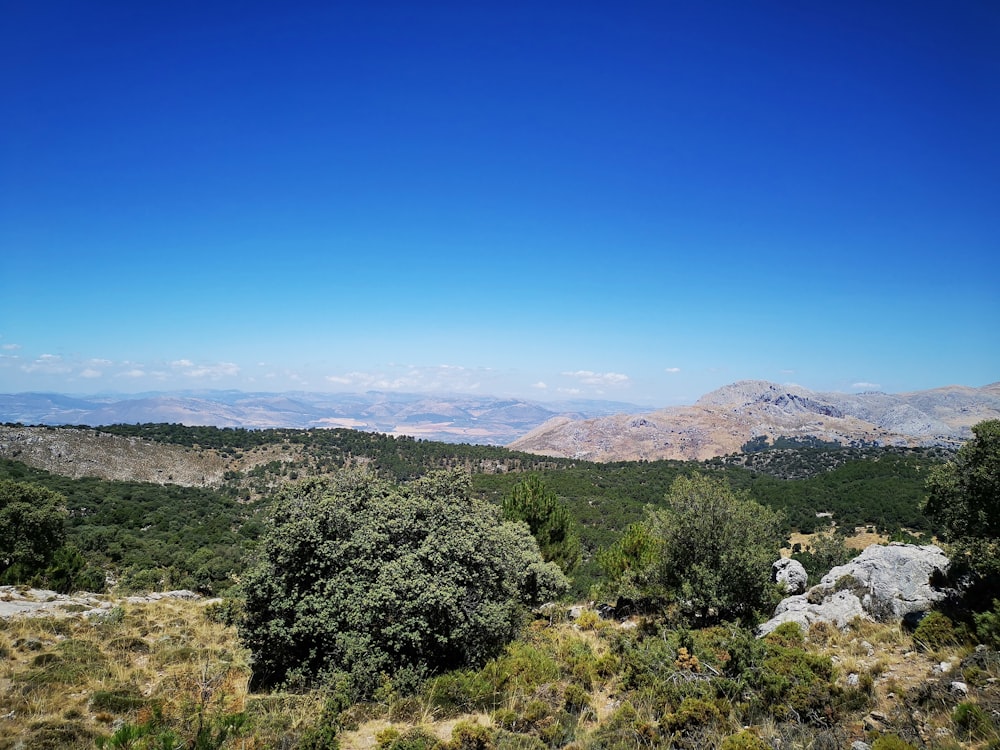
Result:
<point x="532" y="502"/>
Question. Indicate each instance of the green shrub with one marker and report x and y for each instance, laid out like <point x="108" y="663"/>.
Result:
<point x="506" y="740"/>
<point x="625" y="728"/>
<point x="361" y="577"/>
<point x="793" y="680"/>
<point x="693" y="713"/>
<point x="506" y="718"/>
<point x="460" y="691"/>
<point x="709" y="549"/>
<point x="972" y="722"/>
<point x="524" y="667"/>
<point x="468" y="735"/>
<point x="787" y="634"/>
<point x="31" y="529"/>
<point x="827" y="551"/>
<point x="56" y="734"/>
<point x="117" y="701"/>
<point x="130" y="643"/>
<point x="745" y="740"/>
<point x="935" y="631"/>
<point x="323" y="736"/>
<point x="988" y="626"/>
<point x="73" y="661"/>
<point x="891" y="742"/>
<point x="109" y="617"/>
<point x="417" y="738"/>
<point x="559" y="731"/>
<point x="575" y="699"/>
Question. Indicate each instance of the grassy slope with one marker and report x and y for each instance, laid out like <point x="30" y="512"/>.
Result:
<point x="168" y="667"/>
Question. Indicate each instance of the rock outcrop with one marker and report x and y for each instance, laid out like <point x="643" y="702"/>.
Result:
<point x="883" y="583"/>
<point x="18" y="601"/>
<point x="790" y="574"/>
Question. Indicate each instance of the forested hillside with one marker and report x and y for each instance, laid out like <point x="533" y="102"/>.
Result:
<point x="148" y="536"/>
<point x="375" y="601"/>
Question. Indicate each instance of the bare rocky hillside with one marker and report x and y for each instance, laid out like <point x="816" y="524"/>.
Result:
<point x="77" y="453"/>
<point x="720" y="422"/>
<point x="87" y="453"/>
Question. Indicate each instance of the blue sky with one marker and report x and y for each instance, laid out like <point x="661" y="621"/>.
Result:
<point x="636" y="201"/>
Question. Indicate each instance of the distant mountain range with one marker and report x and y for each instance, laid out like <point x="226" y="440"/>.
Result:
<point x="722" y="421"/>
<point x="448" y="418"/>
<point x="719" y="423"/>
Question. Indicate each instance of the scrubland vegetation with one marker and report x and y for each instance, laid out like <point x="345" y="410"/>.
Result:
<point x="365" y="611"/>
<point x="169" y="674"/>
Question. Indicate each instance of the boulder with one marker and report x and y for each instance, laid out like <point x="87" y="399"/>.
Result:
<point x="894" y="580"/>
<point x="790" y="574"/>
<point x="838" y="609"/>
<point x="884" y="583"/>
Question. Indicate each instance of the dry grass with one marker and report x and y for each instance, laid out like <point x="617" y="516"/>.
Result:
<point x="65" y="682"/>
<point x="69" y="680"/>
<point x="859" y="540"/>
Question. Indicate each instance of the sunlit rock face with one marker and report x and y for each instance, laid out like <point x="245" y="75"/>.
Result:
<point x="884" y="583"/>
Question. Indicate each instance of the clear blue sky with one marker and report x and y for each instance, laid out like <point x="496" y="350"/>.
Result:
<point x="637" y="201"/>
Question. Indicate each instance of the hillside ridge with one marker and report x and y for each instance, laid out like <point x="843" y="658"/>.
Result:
<point x="721" y="421"/>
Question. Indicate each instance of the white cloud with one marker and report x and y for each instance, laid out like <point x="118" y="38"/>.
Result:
<point x="374" y="381"/>
<point x="214" y="372"/>
<point x="540" y="385"/>
<point x="49" y="364"/>
<point x="673" y="370"/>
<point x="570" y="391"/>
<point x="135" y="372"/>
<point x="90" y="372"/>
<point x="866" y="386"/>
<point x="415" y="378"/>
<point x="11" y="347"/>
<point x="599" y="378"/>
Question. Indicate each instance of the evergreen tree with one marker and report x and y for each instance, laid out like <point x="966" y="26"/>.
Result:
<point x="548" y="519"/>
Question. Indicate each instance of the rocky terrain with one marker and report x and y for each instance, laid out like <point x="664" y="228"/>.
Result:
<point x="722" y="421"/>
<point x="80" y="453"/>
<point x="86" y="453"/>
<point x="884" y="583"/>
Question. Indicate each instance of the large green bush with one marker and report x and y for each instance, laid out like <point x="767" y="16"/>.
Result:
<point x="31" y="529"/>
<point x="709" y="550"/>
<point x="357" y="578"/>
<point x="964" y="499"/>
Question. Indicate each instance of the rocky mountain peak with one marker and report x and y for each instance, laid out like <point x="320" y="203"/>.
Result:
<point x="722" y="421"/>
<point x="748" y="392"/>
